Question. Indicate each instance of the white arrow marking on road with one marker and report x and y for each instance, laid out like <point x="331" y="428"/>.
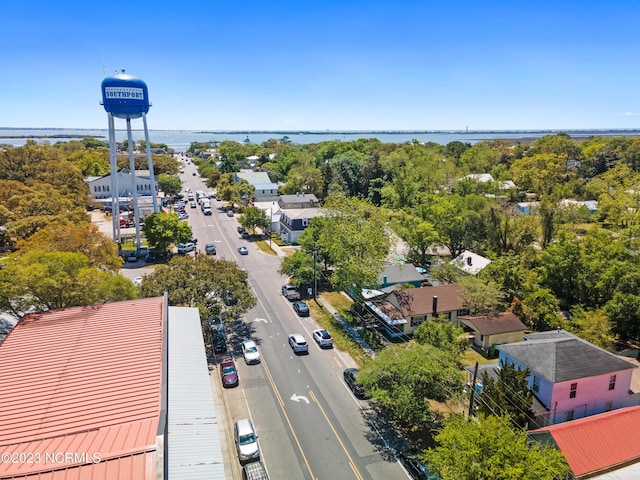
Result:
<point x="297" y="398"/>
<point x="261" y="320"/>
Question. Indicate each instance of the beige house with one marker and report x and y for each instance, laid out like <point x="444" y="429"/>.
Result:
<point x="495" y="329"/>
<point x="402" y="311"/>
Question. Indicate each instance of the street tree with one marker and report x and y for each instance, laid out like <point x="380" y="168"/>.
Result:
<point x="353" y="236"/>
<point x="214" y="286"/>
<point x="487" y="448"/>
<point x="164" y="229"/>
<point x="299" y="267"/>
<point x="254" y="217"/>
<point x="169" y="184"/>
<point x="402" y="377"/>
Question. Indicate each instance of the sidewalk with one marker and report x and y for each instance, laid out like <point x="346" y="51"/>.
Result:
<point x="348" y="328"/>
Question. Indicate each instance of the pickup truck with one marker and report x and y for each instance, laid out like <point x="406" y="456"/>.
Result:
<point x="290" y="293"/>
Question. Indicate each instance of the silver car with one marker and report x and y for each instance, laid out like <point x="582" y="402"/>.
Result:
<point x="246" y="440"/>
<point x="298" y="343"/>
<point x="323" y="338"/>
<point x="250" y="352"/>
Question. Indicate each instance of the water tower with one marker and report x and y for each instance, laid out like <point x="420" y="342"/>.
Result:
<point x="125" y="96"/>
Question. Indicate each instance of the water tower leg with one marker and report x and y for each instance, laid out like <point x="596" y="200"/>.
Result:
<point x="154" y="193"/>
<point x="115" y="213"/>
<point x="134" y="189"/>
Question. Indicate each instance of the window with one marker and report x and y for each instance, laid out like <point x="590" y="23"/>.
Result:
<point x="574" y="390"/>
<point x="415" y="321"/>
<point x="536" y="384"/>
<point x="608" y="406"/>
<point x="570" y="414"/>
<point x="612" y="382"/>
<point x="305" y="222"/>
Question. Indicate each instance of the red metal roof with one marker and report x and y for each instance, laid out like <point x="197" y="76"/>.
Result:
<point x="83" y="380"/>
<point x="598" y="442"/>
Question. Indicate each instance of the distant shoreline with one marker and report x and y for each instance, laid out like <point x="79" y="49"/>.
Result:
<point x="68" y="135"/>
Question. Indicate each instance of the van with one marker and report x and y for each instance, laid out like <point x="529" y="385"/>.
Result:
<point x="246" y="440"/>
<point x="255" y="471"/>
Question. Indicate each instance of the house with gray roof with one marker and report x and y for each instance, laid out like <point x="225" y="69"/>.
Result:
<point x="265" y="189"/>
<point x="571" y="377"/>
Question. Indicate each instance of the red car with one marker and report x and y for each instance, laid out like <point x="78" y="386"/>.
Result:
<point x="228" y="372"/>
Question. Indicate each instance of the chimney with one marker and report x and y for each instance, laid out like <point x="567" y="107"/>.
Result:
<point x="469" y="261"/>
<point x="434" y="308"/>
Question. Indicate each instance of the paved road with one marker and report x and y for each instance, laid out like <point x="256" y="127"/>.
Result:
<point x="309" y="424"/>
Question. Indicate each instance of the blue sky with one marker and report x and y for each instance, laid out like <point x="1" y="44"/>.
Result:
<point x="326" y="65"/>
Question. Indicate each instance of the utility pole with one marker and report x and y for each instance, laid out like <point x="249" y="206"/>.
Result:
<point x="315" y="279"/>
<point x="473" y="389"/>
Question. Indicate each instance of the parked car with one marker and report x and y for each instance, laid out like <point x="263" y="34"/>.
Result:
<point x="219" y="343"/>
<point x="183" y="215"/>
<point x="210" y="249"/>
<point x="132" y="257"/>
<point x="193" y="204"/>
<point x="351" y="379"/>
<point x="255" y="471"/>
<point x="417" y="469"/>
<point x="184" y="248"/>
<point x="298" y="343"/>
<point x="229" y="213"/>
<point x="228" y="372"/>
<point x="150" y="256"/>
<point x="290" y="292"/>
<point x="243" y="250"/>
<point x="323" y="338"/>
<point x="246" y="440"/>
<point x="245" y="235"/>
<point x="241" y="229"/>
<point x="250" y="352"/>
<point x="301" y="308"/>
<point x="206" y="211"/>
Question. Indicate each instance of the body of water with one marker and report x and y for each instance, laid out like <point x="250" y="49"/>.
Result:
<point x="181" y="139"/>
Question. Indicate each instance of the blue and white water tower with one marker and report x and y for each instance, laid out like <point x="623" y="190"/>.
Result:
<point x="125" y="96"/>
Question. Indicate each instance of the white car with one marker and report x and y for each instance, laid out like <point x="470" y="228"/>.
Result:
<point x="298" y="343"/>
<point x="323" y="338"/>
<point x="250" y="352"/>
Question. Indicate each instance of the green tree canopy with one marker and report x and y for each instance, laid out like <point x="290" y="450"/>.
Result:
<point x="40" y="281"/>
<point x="443" y="335"/>
<point x="214" y="286"/>
<point x="403" y="377"/>
<point x="254" y="217"/>
<point x="507" y="394"/>
<point x="169" y="184"/>
<point x="486" y="448"/>
<point x="164" y="229"/>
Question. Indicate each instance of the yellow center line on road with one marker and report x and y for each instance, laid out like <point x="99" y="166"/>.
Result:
<point x="295" y="437"/>
<point x="351" y="463"/>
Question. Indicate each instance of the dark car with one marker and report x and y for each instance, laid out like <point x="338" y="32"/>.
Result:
<point x="178" y="196"/>
<point x="210" y="249"/>
<point x="245" y="235"/>
<point x="415" y="467"/>
<point x="241" y="229"/>
<point x="219" y="343"/>
<point x="228" y="372"/>
<point x="301" y="309"/>
<point x="351" y="379"/>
